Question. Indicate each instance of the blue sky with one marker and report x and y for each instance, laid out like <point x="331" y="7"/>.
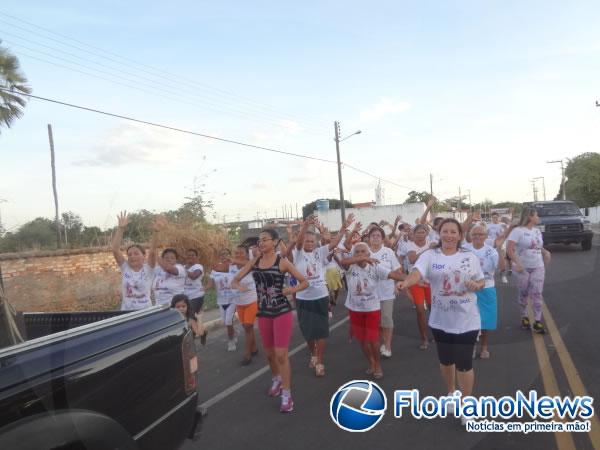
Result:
<point x="480" y="94"/>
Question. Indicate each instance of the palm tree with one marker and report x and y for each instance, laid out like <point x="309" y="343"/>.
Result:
<point x="12" y="82"/>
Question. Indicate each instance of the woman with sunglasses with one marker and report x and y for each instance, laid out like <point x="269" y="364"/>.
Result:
<point x="275" y="320"/>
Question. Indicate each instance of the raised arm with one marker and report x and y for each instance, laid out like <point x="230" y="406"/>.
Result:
<point x="122" y="221"/>
<point x="342" y="232"/>
<point x="300" y="238"/>
<point x="158" y="225"/>
<point x="430" y="204"/>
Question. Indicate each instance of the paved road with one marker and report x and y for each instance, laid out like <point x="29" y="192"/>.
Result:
<point x="564" y="362"/>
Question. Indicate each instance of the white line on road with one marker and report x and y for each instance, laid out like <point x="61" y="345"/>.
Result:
<point x="230" y="390"/>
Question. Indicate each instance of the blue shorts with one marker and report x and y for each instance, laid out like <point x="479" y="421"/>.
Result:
<point x="488" y="308"/>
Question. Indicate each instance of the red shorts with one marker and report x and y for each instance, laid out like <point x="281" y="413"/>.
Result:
<point x="364" y="326"/>
<point x="421" y="294"/>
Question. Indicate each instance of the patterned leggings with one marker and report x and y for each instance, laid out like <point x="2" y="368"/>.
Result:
<point x="531" y="285"/>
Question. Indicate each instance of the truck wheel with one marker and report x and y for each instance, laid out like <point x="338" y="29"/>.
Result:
<point x="586" y="245"/>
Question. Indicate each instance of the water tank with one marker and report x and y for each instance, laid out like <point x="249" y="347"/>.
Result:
<point x="322" y="205"/>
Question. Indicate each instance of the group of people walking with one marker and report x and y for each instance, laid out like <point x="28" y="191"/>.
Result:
<point x="446" y="267"/>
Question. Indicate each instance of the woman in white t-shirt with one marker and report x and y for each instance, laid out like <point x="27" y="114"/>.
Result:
<point x="486" y="298"/>
<point x="363" y="274"/>
<point x="526" y="250"/>
<point x="454" y="274"/>
<point x="136" y="274"/>
<point x="194" y="289"/>
<point x="420" y="292"/>
<point x="312" y="303"/>
<point x="169" y="276"/>
<point x="385" y="288"/>
<point x="246" y="305"/>
<point x="220" y="279"/>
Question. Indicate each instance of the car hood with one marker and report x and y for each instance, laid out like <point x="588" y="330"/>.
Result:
<point x="561" y="219"/>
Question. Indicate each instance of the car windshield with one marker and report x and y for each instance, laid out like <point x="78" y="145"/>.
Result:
<point x="558" y="209"/>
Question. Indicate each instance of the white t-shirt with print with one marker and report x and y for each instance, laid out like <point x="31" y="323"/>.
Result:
<point x="388" y="260"/>
<point x="222" y="280"/>
<point x="413" y="247"/>
<point x="453" y="307"/>
<point x="488" y="260"/>
<point x="362" y="287"/>
<point x="529" y="244"/>
<point x="247" y="294"/>
<point x="194" y="288"/>
<point x="312" y="265"/>
<point x="136" y="287"/>
<point x="167" y="285"/>
<point x="494" y="230"/>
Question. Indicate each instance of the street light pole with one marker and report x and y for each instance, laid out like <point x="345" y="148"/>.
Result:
<point x="337" y="140"/>
<point x="336" y="125"/>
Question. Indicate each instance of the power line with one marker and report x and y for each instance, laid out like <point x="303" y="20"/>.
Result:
<point x="194" y="133"/>
<point x="375" y="176"/>
<point x="156" y="72"/>
<point x="155" y="86"/>
<point x="167" y="127"/>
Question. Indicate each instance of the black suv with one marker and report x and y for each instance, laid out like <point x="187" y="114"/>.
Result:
<point x="561" y="222"/>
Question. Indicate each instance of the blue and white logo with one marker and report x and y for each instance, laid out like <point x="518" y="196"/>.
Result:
<point x="358" y="406"/>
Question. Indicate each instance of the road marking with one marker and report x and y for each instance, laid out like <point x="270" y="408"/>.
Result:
<point x="573" y="378"/>
<point x="564" y="441"/>
<point x="253" y="376"/>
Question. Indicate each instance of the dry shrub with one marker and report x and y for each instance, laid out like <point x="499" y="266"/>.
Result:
<point x="207" y="239"/>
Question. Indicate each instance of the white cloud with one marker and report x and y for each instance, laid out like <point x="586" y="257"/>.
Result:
<point x="382" y="108"/>
<point x="134" y="144"/>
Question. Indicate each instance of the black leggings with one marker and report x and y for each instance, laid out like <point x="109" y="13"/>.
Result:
<point x="455" y="348"/>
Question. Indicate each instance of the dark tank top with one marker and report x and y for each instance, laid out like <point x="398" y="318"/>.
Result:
<point x="269" y="286"/>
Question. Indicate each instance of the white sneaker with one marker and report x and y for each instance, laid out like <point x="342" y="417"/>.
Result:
<point x="231" y="347"/>
<point x="382" y="349"/>
<point x="386" y="353"/>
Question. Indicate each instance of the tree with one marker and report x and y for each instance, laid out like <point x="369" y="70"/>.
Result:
<point x="418" y="197"/>
<point x="583" y="180"/>
<point x="14" y="81"/>
<point x="38" y="234"/>
<point x="192" y="211"/>
<point x="72" y="227"/>
<point x="334" y="203"/>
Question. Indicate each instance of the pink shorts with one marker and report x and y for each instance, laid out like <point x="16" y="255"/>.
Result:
<point x="276" y="331"/>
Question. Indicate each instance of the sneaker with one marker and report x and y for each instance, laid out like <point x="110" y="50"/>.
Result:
<point x="525" y="323"/>
<point x="287" y="404"/>
<point x="386" y="353"/>
<point x="275" y="389"/>
<point x="539" y="327"/>
<point x="382" y="349"/>
<point x="231" y="347"/>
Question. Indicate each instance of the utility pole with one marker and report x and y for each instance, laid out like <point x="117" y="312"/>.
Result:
<point x="543" y="185"/>
<point x="562" y="179"/>
<point x="459" y="203"/>
<point x="535" y="191"/>
<point x="53" y="165"/>
<point x="336" y="125"/>
<point x="431" y="184"/>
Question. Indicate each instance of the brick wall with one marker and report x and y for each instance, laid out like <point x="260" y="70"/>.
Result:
<point x="68" y="280"/>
